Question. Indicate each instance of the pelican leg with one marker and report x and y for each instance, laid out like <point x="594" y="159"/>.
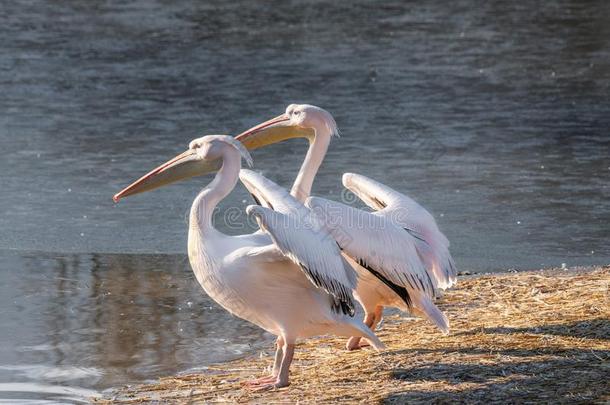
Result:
<point x="371" y="320"/>
<point x="282" y="378"/>
<point x="279" y="354"/>
<point x="354" y="342"/>
<point x="378" y="316"/>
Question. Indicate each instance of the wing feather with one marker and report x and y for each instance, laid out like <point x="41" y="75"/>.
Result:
<point x="300" y="237"/>
<point x="375" y="243"/>
<point x="430" y="242"/>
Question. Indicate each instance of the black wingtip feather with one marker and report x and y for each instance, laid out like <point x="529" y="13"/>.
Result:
<point x="256" y="200"/>
<point x="342" y="301"/>
<point x="380" y="203"/>
<point x="400" y="291"/>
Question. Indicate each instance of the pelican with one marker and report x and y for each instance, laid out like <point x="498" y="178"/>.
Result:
<point x="289" y="278"/>
<point x="401" y="257"/>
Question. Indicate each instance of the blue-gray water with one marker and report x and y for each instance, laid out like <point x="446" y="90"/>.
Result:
<point x="495" y="116"/>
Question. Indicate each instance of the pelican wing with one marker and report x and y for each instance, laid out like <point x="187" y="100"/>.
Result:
<point x="375" y="243"/>
<point x="431" y="244"/>
<point x="300" y="237"/>
<point x="268" y="194"/>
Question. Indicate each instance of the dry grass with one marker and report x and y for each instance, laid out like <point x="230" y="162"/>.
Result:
<point x="526" y="337"/>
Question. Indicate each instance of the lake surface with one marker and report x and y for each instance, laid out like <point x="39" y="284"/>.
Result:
<point x="496" y="117"/>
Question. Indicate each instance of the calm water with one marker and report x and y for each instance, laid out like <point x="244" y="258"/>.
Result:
<point x="496" y="117"/>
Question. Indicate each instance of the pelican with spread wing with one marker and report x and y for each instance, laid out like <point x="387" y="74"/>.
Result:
<point x="401" y="257"/>
<point x="290" y="279"/>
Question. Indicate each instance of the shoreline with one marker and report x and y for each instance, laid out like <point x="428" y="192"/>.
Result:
<point x="539" y="335"/>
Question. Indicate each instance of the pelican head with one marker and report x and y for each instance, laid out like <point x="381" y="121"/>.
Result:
<point x="298" y="121"/>
<point x="203" y="156"/>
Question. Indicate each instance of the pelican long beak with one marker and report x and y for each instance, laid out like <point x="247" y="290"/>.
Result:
<point x="275" y="130"/>
<point x="185" y="165"/>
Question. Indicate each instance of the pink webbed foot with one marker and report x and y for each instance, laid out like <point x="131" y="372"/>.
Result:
<point x="276" y="383"/>
<point x="356" y="343"/>
<point x="353" y="343"/>
<point x="259" y="381"/>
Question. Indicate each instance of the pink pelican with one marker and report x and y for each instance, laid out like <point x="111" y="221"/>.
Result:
<point x="401" y="257"/>
<point x="290" y="279"/>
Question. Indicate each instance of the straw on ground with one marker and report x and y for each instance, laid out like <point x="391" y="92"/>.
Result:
<point x="534" y="336"/>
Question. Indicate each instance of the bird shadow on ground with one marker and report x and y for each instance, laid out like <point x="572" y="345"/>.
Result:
<point x="590" y="329"/>
<point x="517" y="382"/>
<point x="504" y="372"/>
